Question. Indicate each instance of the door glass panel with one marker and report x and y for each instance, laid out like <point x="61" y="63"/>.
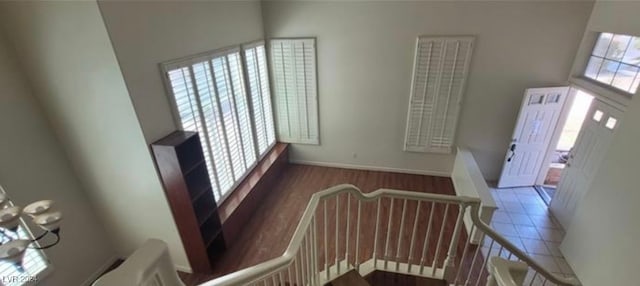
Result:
<point x="553" y="98"/>
<point x="597" y="116"/>
<point x="536" y="99"/>
<point x="611" y="123"/>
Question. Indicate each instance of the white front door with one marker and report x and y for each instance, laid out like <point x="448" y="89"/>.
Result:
<point x="538" y="118"/>
<point x="585" y="157"/>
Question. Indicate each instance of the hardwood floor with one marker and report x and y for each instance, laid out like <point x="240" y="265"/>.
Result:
<point x="268" y="233"/>
<point x="271" y="227"/>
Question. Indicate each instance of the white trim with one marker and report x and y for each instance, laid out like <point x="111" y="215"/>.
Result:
<point x="182" y="268"/>
<point x="253" y="44"/>
<point x="194" y="59"/>
<point x="372" y="168"/>
<point x="96" y="274"/>
<point x="607" y="95"/>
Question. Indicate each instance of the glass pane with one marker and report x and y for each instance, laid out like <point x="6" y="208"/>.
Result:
<point x="593" y="67"/>
<point x="607" y="71"/>
<point x="611" y="123"/>
<point x="553" y="98"/>
<point x="602" y="44"/>
<point x="625" y="76"/>
<point x="618" y="47"/>
<point x="632" y="55"/>
<point x="597" y="116"/>
<point x="536" y="99"/>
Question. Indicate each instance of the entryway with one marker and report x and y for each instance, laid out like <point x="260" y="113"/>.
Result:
<point x="524" y="219"/>
<point x="559" y="139"/>
<point x="551" y="173"/>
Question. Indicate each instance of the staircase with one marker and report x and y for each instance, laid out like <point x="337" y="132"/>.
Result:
<point x="394" y="237"/>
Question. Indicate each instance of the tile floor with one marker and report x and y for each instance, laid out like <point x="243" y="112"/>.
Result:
<point x="524" y="219"/>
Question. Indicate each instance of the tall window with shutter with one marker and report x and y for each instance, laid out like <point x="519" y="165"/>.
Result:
<point x="258" y="80"/>
<point x="224" y="96"/>
<point x="293" y="69"/>
<point x="439" y="75"/>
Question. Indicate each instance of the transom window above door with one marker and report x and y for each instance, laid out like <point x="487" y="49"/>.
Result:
<point x="615" y="61"/>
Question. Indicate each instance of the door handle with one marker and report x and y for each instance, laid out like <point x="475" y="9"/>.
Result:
<point x="513" y="152"/>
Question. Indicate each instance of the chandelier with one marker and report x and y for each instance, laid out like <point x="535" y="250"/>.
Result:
<point x="41" y="213"/>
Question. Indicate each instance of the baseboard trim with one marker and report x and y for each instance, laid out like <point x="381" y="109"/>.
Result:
<point x="96" y="274"/>
<point x="371" y="168"/>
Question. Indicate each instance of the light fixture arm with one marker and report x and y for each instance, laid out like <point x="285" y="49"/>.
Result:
<point x="56" y="233"/>
<point x="42" y="213"/>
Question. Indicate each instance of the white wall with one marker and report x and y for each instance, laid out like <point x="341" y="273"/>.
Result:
<point x="33" y="167"/>
<point x="601" y="243"/>
<point x="70" y="63"/>
<point x="365" y="57"/>
<point x="145" y="34"/>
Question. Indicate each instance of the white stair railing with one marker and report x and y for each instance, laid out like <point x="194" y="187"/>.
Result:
<point x="495" y="245"/>
<point x="413" y="233"/>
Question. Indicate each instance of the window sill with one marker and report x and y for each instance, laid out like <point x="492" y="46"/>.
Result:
<point x="618" y="99"/>
<point x="238" y="207"/>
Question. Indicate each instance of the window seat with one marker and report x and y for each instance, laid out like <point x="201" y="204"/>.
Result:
<point x="237" y="209"/>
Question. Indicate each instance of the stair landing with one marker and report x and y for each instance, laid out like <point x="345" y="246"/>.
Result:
<point x="382" y="278"/>
<point x="351" y="278"/>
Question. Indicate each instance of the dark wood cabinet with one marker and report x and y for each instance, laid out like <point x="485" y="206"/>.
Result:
<point x="183" y="171"/>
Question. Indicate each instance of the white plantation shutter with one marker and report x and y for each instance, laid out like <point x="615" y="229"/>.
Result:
<point x="209" y="96"/>
<point x="293" y="68"/>
<point x="258" y="82"/>
<point x="440" y="70"/>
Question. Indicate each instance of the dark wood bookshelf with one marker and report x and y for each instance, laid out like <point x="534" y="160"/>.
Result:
<point x="184" y="174"/>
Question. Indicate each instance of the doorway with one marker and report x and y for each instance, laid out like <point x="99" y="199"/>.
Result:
<point x="574" y="115"/>
<point x="538" y="118"/>
<point x="559" y="140"/>
<point x="592" y="143"/>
